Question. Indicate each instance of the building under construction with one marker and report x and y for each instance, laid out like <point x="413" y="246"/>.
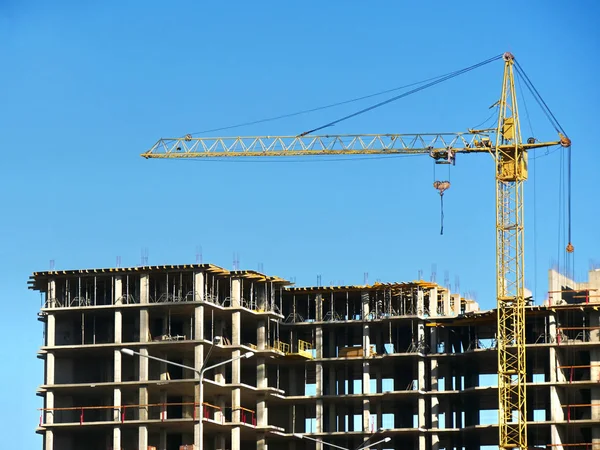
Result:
<point x="411" y="361"/>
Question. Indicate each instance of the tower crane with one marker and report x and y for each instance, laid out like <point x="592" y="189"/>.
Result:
<point x="509" y="153"/>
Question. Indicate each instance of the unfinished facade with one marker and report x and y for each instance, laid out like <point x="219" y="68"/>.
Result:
<point x="408" y="361"/>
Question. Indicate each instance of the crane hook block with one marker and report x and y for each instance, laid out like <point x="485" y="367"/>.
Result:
<point x="570" y="248"/>
<point x="441" y="186"/>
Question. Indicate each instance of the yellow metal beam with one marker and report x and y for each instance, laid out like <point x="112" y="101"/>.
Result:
<point x="439" y="146"/>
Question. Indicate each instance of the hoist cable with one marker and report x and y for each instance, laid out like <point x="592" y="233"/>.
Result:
<point x="539" y="98"/>
<point x="442" y="213"/>
<point x="405" y="94"/>
<point x="559" y="129"/>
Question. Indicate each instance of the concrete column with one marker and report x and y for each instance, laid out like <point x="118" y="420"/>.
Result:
<point x="552" y="328"/>
<point x="198" y="361"/>
<point x="236" y="292"/>
<point x="143" y="362"/>
<point x="163" y="440"/>
<point x="595" y="373"/>
<point x="421" y="418"/>
<point x="261" y="335"/>
<point x="433" y="306"/>
<point x="117" y="356"/>
<point x="118" y="327"/>
<point x="262" y="413"/>
<point x="261" y="296"/>
<point x="220" y="442"/>
<point x="446" y="310"/>
<point x="319" y="308"/>
<point x="116" y="440"/>
<point x="320" y="411"/>
<point x="118" y="294"/>
<point x="455" y="310"/>
<point x="261" y="442"/>
<point x="49" y="440"/>
<point x="219" y="374"/>
<point x="435" y="440"/>
<point x="331" y="345"/>
<point x="420" y="303"/>
<point x="117" y="419"/>
<point x="51" y="294"/>
<point x="198" y="287"/>
<point x="143" y="394"/>
<point x="332" y="381"/>
<point x="144" y="288"/>
<point x="50" y="370"/>
<point x="49" y="419"/>
<point x="366" y="375"/>
<point x="236" y="365"/>
<point x="50" y="330"/>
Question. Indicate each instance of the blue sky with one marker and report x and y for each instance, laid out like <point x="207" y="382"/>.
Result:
<point x="86" y="87"/>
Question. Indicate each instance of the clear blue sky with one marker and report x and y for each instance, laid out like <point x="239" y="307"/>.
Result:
<point x="87" y="86"/>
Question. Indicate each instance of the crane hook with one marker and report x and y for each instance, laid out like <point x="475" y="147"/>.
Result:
<point x="441" y="186"/>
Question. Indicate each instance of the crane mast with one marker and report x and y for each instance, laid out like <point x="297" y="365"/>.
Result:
<point x="511" y="172"/>
<point x="504" y="144"/>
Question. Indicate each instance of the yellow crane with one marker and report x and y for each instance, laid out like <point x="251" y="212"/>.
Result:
<point x="504" y="144"/>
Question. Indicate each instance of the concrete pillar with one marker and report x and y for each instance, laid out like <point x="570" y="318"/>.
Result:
<point x="261" y="335"/>
<point x="420" y="303"/>
<point x="319" y="308"/>
<point x="236" y="292"/>
<point x="262" y="413"/>
<point x="49" y="440"/>
<point x="118" y="327"/>
<point x="118" y="293"/>
<point x="433" y="304"/>
<point x="117" y="417"/>
<point x="49" y="419"/>
<point x="198" y="287"/>
<point x="552" y="332"/>
<point x="446" y="308"/>
<point x="455" y="310"/>
<point x="320" y="411"/>
<point x="261" y="296"/>
<point x="198" y="361"/>
<point x="163" y="439"/>
<point x="50" y="330"/>
<point x="366" y="375"/>
<point x="144" y="289"/>
<point x="220" y="442"/>
<point x="236" y="323"/>
<point x="331" y="344"/>
<point x="433" y="342"/>
<point x="421" y="418"/>
<point x="143" y="362"/>
<point x="116" y="440"/>
<point x="261" y="442"/>
<point x="117" y="357"/>
<point x="51" y="295"/>
<point x="143" y="399"/>
<point x="595" y="373"/>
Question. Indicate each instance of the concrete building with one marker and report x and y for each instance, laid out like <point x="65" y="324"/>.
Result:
<point x="410" y="361"/>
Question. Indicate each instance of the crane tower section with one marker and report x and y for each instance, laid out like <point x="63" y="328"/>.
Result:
<point x="511" y="172"/>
